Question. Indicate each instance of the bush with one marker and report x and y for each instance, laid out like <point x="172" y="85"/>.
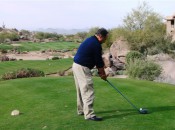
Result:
<point x="153" y="51"/>
<point x="172" y="55"/>
<point x="172" y="45"/>
<point x="11" y="36"/>
<point x="4" y="58"/>
<point x="132" y="55"/>
<point x="10" y="75"/>
<point x="141" y="69"/>
<point x="3" y="51"/>
<point x="120" y="72"/>
<point x="23" y="73"/>
<point x="55" y="58"/>
<point x="45" y="35"/>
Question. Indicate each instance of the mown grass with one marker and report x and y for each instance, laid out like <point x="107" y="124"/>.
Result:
<point x="50" y="103"/>
<point x="47" y="66"/>
<point x="41" y="46"/>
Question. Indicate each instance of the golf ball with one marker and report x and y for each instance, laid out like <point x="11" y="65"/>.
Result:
<point x="15" y="113"/>
<point x="140" y="109"/>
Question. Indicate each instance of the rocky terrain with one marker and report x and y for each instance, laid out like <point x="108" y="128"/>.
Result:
<point x="167" y="64"/>
<point x="119" y="49"/>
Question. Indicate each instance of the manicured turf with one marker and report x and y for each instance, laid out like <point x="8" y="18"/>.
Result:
<point x="48" y="66"/>
<point x="41" y="46"/>
<point x="50" y="103"/>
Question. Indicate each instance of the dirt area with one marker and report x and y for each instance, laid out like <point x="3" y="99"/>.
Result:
<point x="14" y="44"/>
<point x="168" y="68"/>
<point x="37" y="55"/>
<point x="167" y="64"/>
<point x="29" y="56"/>
<point x="168" y="73"/>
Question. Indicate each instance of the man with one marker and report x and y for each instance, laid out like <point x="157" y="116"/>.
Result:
<point x="88" y="56"/>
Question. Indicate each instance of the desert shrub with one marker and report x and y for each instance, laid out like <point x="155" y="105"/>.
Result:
<point x="61" y="73"/>
<point x="11" y="36"/>
<point x="132" y="55"/>
<point x="55" y="58"/>
<point x="161" y="45"/>
<point x="23" y="73"/>
<point x="13" y="59"/>
<point x="14" y="36"/>
<point x="172" y="45"/>
<point x="153" y="51"/>
<point x="9" y="75"/>
<point x="120" y="72"/>
<point x="4" y="58"/>
<point x="45" y="35"/>
<point x="24" y="32"/>
<point x="3" y="51"/>
<point x="141" y="69"/>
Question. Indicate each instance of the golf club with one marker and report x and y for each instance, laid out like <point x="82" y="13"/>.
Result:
<point x="141" y="110"/>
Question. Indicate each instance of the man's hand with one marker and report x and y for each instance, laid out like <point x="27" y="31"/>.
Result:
<point x="102" y="73"/>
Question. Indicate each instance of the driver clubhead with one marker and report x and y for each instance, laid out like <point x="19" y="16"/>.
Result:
<point x="143" y="111"/>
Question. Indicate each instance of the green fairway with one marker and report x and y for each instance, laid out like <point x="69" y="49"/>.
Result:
<point x="50" y="103"/>
<point x="41" y="46"/>
<point x="47" y="66"/>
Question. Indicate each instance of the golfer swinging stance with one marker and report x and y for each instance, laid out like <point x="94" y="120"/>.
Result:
<point x="88" y="55"/>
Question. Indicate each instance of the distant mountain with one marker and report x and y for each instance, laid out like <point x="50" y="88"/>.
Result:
<point x="61" y="30"/>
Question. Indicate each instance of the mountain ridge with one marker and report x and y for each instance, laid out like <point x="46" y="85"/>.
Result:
<point x="61" y="30"/>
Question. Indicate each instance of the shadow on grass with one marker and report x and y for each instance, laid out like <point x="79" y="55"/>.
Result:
<point x="118" y="113"/>
<point x="161" y="108"/>
<point x="128" y="112"/>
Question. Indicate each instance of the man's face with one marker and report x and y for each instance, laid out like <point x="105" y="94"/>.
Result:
<point x="103" y="39"/>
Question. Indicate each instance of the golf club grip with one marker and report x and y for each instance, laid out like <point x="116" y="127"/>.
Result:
<point x="122" y="95"/>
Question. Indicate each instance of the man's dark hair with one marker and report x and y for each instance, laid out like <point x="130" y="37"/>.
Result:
<point x="102" y="31"/>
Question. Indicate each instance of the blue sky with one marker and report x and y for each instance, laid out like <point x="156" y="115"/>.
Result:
<point x="73" y="14"/>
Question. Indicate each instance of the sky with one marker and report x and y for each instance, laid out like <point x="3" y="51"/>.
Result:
<point x="73" y="14"/>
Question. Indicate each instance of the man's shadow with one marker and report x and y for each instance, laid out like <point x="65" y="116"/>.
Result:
<point x="128" y="112"/>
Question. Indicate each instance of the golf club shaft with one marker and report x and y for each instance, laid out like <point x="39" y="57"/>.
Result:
<point x="123" y="95"/>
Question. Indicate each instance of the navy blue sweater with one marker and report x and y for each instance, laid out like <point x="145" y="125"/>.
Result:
<point x="89" y="53"/>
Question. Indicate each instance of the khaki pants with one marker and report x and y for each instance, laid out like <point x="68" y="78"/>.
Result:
<point x="85" y="90"/>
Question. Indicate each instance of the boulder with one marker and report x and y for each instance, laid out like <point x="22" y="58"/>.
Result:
<point x="119" y="50"/>
<point x="107" y="59"/>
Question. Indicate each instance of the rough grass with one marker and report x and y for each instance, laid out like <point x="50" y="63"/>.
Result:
<point x="50" y="103"/>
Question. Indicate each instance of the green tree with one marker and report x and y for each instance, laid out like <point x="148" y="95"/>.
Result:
<point x="144" y="28"/>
